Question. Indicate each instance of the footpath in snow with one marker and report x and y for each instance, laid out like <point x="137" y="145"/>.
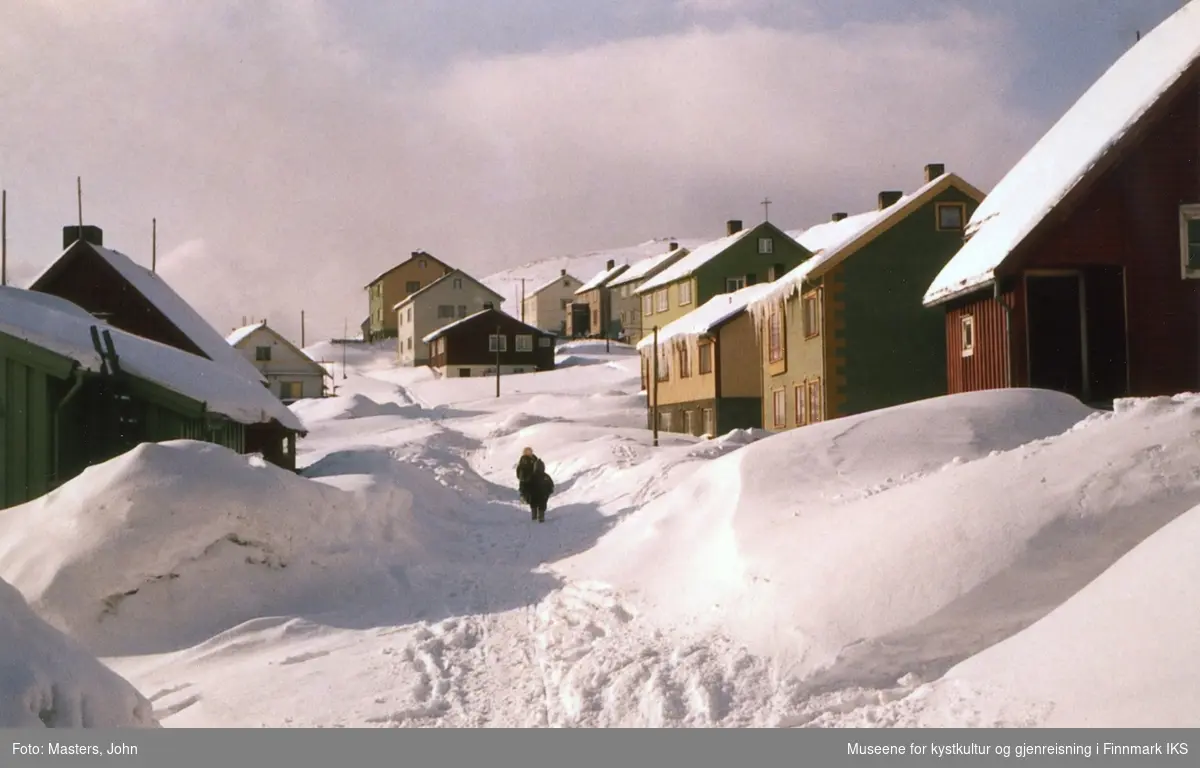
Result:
<point x="939" y="563"/>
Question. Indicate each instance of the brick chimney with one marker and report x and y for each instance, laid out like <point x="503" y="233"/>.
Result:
<point x="91" y="234"/>
<point x="674" y="246"/>
<point x="733" y="226"/>
<point x="611" y="263"/>
<point x="889" y="198"/>
<point x="838" y="216"/>
<point x="933" y="170"/>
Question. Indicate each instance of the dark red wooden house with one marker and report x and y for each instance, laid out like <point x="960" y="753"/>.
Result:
<point x="475" y="345"/>
<point x="1081" y="269"/>
<point x="114" y="288"/>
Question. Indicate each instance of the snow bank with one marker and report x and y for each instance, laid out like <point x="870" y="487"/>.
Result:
<point x="46" y="679"/>
<point x="811" y="540"/>
<point x="1121" y="653"/>
<point x="173" y="542"/>
<point x="355" y="406"/>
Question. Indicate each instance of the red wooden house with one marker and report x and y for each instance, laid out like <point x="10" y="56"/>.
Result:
<point x="1081" y="269"/>
<point x="474" y="346"/>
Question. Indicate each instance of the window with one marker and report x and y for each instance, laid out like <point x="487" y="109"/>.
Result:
<point x="445" y="311"/>
<point x="664" y="364"/>
<point x="664" y="421"/>
<point x="660" y="301"/>
<point x="766" y="245"/>
<point x="424" y="263"/>
<point x="709" y="426"/>
<point x="400" y="321"/>
<point x="685" y="292"/>
<point x="685" y="361"/>
<point x="814" y="401"/>
<point x="968" y="335"/>
<point x="647" y="305"/>
<point x="951" y="217"/>
<point x="412" y="286"/>
<point x="689" y="422"/>
<point x="775" y="335"/>
<point x="566" y="283"/>
<point x="595" y="319"/>
<point x="706" y="357"/>
<point x="409" y="313"/>
<point x="1189" y="239"/>
<point x="458" y="283"/>
<point x="812" y="314"/>
<point x="464" y="373"/>
<point x="779" y="408"/>
<point x="262" y="354"/>
<point x="462" y="311"/>
<point x="545" y="341"/>
<point x="800" y="396"/>
<point x="497" y="342"/>
<point x="734" y="284"/>
<point x="409" y="345"/>
<point x="775" y="272"/>
<point x="524" y="342"/>
<point x="291" y="390"/>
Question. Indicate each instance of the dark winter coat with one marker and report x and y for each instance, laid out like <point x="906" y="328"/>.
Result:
<point x="536" y="486"/>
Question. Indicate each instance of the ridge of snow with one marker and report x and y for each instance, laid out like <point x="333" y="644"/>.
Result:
<point x="241" y="334"/>
<point x="1068" y="152"/>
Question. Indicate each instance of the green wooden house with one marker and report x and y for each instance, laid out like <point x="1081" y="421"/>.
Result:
<point x="76" y="392"/>
<point x="742" y="258"/>
<point x="846" y="332"/>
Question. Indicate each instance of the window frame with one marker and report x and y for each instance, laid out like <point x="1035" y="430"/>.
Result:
<point x="800" y="402"/>
<point x="775" y="347"/>
<point x="685" y="296"/>
<point x="709" y="422"/>
<point x="545" y="341"/>
<point x="1188" y="213"/>
<point x="523" y="342"/>
<point x="684" y="353"/>
<point x="703" y="347"/>
<point x="815" y="405"/>
<point x="647" y="304"/>
<point x="445" y="311"/>
<point x="661" y="303"/>
<point x="733" y="284"/>
<point x="769" y="243"/>
<point x="811" y="325"/>
<point x="778" y="418"/>
<point x="938" y="208"/>
<point x="967" y="335"/>
<point x="497" y="346"/>
<point x="262" y="354"/>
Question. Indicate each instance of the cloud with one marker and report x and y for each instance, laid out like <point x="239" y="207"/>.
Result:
<point x="286" y="167"/>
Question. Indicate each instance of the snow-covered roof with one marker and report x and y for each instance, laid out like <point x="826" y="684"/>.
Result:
<point x="464" y="320"/>
<point x="452" y="273"/>
<point x="841" y="238"/>
<point x="709" y="315"/>
<point x="241" y="334"/>
<point x="694" y="260"/>
<point x="62" y="327"/>
<point x="550" y="283"/>
<point x="391" y="269"/>
<point x="648" y="267"/>
<point x="1070" y="150"/>
<point x="601" y="279"/>
<point x="172" y="306"/>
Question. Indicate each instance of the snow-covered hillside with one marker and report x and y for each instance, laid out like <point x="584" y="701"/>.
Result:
<point x="997" y="558"/>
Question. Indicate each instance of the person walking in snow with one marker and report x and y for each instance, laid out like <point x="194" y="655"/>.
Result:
<point x="535" y="485"/>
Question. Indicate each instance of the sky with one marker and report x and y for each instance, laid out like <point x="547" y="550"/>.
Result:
<point x="290" y="150"/>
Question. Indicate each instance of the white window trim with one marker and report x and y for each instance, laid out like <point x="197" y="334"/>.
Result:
<point x="660" y="300"/>
<point x="766" y="245"/>
<point x="685" y="296"/>
<point x="524" y="342"/>
<point x="778" y="416"/>
<point x="647" y="304"/>
<point x="493" y="343"/>
<point x="1188" y="212"/>
<point x="968" y="335"/>
<point x="732" y="284"/>
<point x="962" y="216"/>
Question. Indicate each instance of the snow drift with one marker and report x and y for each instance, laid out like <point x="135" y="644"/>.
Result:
<point x="47" y="680"/>
<point x="171" y="543"/>
<point x="909" y="538"/>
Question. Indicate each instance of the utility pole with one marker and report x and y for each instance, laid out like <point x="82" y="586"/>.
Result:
<point x="79" y="202"/>
<point x="522" y="299"/>
<point x="654" y="390"/>
<point x="4" y="237"/>
<point x="302" y="329"/>
<point x="498" y="337"/>
<point x="154" y="245"/>
<point x="345" y="341"/>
